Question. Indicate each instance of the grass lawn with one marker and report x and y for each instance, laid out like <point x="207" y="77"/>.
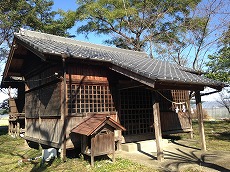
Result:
<point x="217" y="135"/>
<point x="13" y="149"/>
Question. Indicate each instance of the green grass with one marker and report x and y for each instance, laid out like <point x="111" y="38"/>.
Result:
<point x="217" y="135"/>
<point x="12" y="150"/>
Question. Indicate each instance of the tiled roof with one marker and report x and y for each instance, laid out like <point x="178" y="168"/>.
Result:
<point x="96" y="121"/>
<point x="136" y="62"/>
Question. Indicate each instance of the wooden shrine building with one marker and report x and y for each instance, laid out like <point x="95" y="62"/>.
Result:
<point x="66" y="81"/>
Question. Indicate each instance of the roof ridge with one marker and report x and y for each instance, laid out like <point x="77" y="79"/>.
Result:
<point x="46" y="36"/>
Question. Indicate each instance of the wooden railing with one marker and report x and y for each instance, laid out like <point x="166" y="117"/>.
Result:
<point x="15" y="116"/>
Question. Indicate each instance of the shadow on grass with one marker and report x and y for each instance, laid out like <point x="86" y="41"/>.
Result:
<point x="41" y="166"/>
<point x="181" y="157"/>
<point x="218" y="129"/>
<point x="222" y="135"/>
<point x="3" y="130"/>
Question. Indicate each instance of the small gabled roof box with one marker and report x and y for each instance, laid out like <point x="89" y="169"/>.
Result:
<point x="92" y="124"/>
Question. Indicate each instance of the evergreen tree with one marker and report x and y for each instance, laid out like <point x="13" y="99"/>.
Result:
<point x="219" y="64"/>
<point x="30" y="14"/>
<point x="135" y="24"/>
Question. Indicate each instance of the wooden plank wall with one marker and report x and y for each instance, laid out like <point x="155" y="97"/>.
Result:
<point x="173" y="121"/>
<point x="44" y="102"/>
<point x="43" y="107"/>
<point x="43" y="95"/>
<point x="73" y="140"/>
<point x="180" y="121"/>
<point x="46" y="131"/>
<point x="50" y="129"/>
<point x="32" y="128"/>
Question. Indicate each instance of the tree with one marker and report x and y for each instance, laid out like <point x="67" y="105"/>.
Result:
<point x="5" y="106"/>
<point x="202" y="33"/>
<point x="219" y="69"/>
<point x="225" y="99"/>
<point x="219" y="63"/>
<point x="135" y="25"/>
<point x="31" y="14"/>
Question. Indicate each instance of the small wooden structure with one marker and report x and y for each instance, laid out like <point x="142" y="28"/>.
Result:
<point x="97" y="135"/>
<point x="16" y="119"/>
<point x="16" y="124"/>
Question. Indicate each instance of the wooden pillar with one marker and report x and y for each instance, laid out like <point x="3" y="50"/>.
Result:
<point x="18" y="128"/>
<point x="157" y="127"/>
<point x="12" y="128"/>
<point x="92" y="150"/>
<point x="190" y="118"/>
<point x="200" y="120"/>
<point x="9" y="128"/>
<point x="113" y="158"/>
<point x="9" y="125"/>
<point x="64" y="108"/>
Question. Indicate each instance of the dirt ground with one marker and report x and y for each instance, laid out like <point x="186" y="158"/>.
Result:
<point x="179" y="157"/>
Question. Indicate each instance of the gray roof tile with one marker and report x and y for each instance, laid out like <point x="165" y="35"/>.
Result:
<point x="137" y="62"/>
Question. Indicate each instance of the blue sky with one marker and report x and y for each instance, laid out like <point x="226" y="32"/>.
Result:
<point x="65" y="5"/>
<point x="71" y="5"/>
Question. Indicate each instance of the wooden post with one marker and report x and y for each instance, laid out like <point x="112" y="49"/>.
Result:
<point x="9" y="128"/>
<point x="200" y="120"/>
<point x="64" y="115"/>
<point x="12" y="128"/>
<point x="157" y="127"/>
<point x="190" y="118"/>
<point x="18" y="129"/>
<point x="113" y="158"/>
<point x="9" y="125"/>
<point x="92" y="150"/>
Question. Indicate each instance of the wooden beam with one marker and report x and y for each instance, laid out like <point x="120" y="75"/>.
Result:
<point x="164" y="85"/>
<point x="134" y="76"/>
<point x="200" y="120"/>
<point x="43" y="142"/>
<point x="157" y="126"/>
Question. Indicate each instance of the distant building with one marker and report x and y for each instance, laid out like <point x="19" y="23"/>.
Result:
<point x="216" y="110"/>
<point x="213" y="108"/>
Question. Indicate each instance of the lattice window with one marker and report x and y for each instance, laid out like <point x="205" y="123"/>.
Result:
<point x="181" y="97"/>
<point x="136" y="111"/>
<point x="89" y="98"/>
